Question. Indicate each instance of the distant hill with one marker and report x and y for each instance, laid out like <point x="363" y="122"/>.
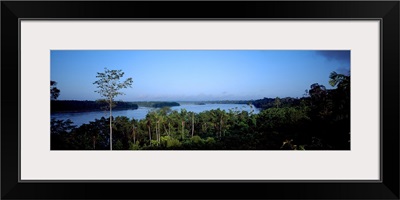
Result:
<point x="266" y="103"/>
<point x="218" y="102"/>
<point x="156" y="104"/>
<point x="165" y="104"/>
<point x="82" y="106"/>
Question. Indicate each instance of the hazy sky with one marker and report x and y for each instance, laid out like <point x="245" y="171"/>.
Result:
<point x="182" y="75"/>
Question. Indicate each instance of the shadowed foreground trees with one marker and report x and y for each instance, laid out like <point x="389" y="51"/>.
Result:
<point x="54" y="91"/>
<point x="318" y="121"/>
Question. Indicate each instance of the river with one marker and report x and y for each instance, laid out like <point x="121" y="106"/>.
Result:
<point x="80" y="118"/>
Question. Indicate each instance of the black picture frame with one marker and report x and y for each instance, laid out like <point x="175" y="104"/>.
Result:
<point x="386" y="11"/>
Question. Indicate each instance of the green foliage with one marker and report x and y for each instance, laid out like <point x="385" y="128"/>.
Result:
<point x="197" y="140"/>
<point x="277" y="102"/>
<point x="340" y="80"/>
<point x="118" y="145"/>
<point x="59" y="132"/>
<point x="155" y="143"/>
<point x="108" y="84"/>
<point x="134" y="146"/>
<point x="281" y="118"/>
<point x="319" y="121"/>
<point x="61" y="126"/>
<point x="210" y="141"/>
<point x="170" y="142"/>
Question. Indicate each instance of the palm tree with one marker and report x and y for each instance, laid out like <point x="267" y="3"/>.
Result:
<point x="342" y="81"/>
<point x="183" y="116"/>
<point x="149" y="127"/>
<point x="192" y="123"/>
<point x="133" y="132"/>
<point x="342" y="94"/>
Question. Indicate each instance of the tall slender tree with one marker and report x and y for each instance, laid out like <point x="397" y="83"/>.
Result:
<point x="148" y="124"/>
<point x="109" y="87"/>
<point x="192" y="123"/>
<point x="133" y="133"/>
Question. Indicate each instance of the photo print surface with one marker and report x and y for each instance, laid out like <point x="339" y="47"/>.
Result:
<point x="146" y="100"/>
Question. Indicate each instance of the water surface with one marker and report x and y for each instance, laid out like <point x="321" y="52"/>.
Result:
<point x="80" y="118"/>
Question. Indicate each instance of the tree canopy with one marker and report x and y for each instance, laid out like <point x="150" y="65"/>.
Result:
<point x="54" y="91"/>
<point x="318" y="121"/>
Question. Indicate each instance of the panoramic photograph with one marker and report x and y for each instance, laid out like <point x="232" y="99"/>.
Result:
<point x="187" y="100"/>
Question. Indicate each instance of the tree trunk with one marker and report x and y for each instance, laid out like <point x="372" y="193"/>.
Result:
<point x="169" y="129"/>
<point x="94" y="142"/>
<point x="134" y="134"/>
<point x="110" y="125"/>
<point x="149" y="133"/>
<point x="220" y="126"/>
<point x="159" y="131"/>
<point x="192" y="124"/>
<point x="165" y="130"/>
<point x="183" y="125"/>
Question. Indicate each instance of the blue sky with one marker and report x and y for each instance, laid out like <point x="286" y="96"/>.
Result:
<point x="190" y="75"/>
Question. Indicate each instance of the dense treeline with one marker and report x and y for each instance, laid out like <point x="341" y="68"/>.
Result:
<point x="274" y="102"/>
<point x="318" y="121"/>
<point x="165" y="104"/>
<point x="227" y="102"/>
<point x="156" y="104"/>
<point x="80" y="106"/>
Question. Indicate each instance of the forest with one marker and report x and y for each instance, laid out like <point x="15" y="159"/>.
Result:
<point x="82" y="106"/>
<point x="320" y="120"/>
